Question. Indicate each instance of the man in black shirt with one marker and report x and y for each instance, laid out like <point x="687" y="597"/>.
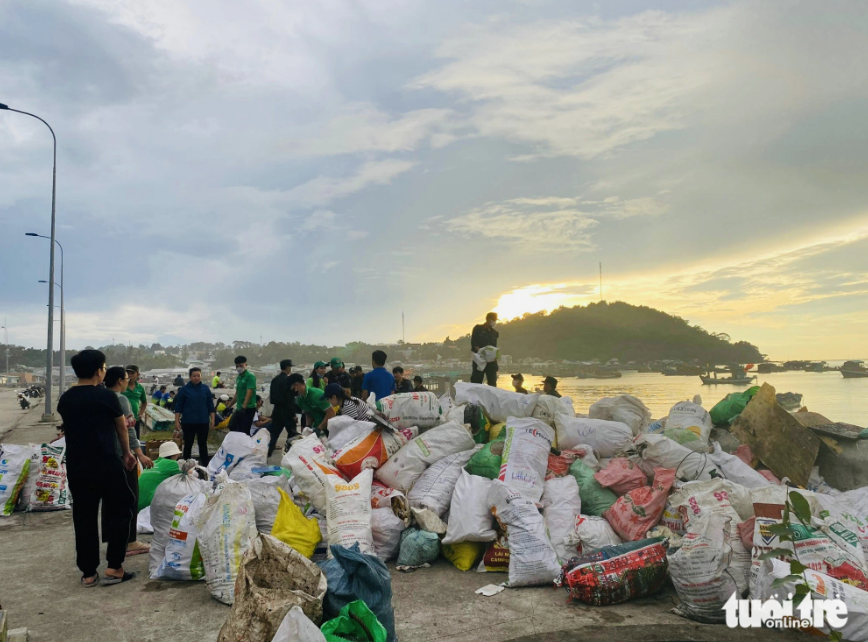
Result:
<point x="282" y="397"/>
<point x="401" y="384"/>
<point x="518" y="383"/>
<point x="418" y="385"/>
<point x="550" y="387"/>
<point x="484" y="335"/>
<point x="97" y="456"/>
<point x="358" y="378"/>
<point x="338" y="369"/>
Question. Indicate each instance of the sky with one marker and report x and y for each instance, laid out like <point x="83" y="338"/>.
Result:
<point x="283" y="171"/>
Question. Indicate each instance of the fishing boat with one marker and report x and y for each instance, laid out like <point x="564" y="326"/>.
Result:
<point x="854" y="370"/>
<point x="736" y="381"/>
<point x="599" y="374"/>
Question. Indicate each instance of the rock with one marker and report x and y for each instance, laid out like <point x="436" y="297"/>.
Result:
<point x="847" y="470"/>
<point x="777" y="438"/>
<point x="728" y="442"/>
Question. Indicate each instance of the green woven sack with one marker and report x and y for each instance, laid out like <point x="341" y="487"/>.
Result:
<point x="486" y="463"/>
<point x="731" y="406"/>
<point x="595" y="499"/>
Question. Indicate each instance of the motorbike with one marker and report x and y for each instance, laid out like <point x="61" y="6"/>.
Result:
<point x="23" y="402"/>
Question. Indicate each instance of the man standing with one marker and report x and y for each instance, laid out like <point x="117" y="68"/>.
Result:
<point x="379" y="380"/>
<point x="245" y="398"/>
<point x="518" y="383"/>
<point x="217" y="382"/>
<point x="194" y="414"/>
<point x="484" y="335"/>
<point x="358" y="376"/>
<point x="312" y="402"/>
<point x="334" y="375"/>
<point x="138" y="399"/>
<point x="401" y="384"/>
<point x="550" y="387"/>
<point x="97" y="458"/>
<point x="282" y="397"/>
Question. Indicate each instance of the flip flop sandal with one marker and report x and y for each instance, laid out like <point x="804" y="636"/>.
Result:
<point x="89" y="584"/>
<point x="108" y="580"/>
<point x="139" y="551"/>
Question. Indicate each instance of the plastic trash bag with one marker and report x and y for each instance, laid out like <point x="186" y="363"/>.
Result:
<point x="50" y="489"/>
<point x="595" y="499"/>
<point x="408" y="409"/>
<point x="293" y="529"/>
<point x="297" y="627"/>
<point x="621" y="476"/>
<point x="352" y="576"/>
<point x="418" y="547"/>
<point x="226" y="524"/>
<point x="235" y="447"/>
<point x="532" y="559"/>
<point x="638" y="511"/>
<point x="525" y="456"/>
<point x="257" y="458"/>
<point x="486" y="463"/>
<point x="433" y="490"/>
<point x="624" y="408"/>
<point x="463" y="555"/>
<point x="470" y="517"/>
<point x="591" y="534"/>
<point x="266" y="499"/>
<point x="561" y="507"/>
<point x="731" y="406"/>
<point x="386" y="528"/>
<point x="349" y="512"/>
<point x="14" y="467"/>
<point x="607" y="438"/>
<point x="312" y="469"/>
<point x="692" y="417"/>
<point x="356" y="623"/>
<point x="26" y="491"/>
<point x="499" y="404"/>
<point x="272" y="579"/>
<point x="182" y="559"/>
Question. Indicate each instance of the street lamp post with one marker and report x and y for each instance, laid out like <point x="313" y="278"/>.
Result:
<point x="6" y="344"/>
<point x="47" y="415"/>
<point x="62" y="314"/>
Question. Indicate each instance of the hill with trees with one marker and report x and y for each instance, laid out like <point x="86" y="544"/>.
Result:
<point x="604" y="331"/>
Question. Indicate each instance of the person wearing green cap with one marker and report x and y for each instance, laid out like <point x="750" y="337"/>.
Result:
<point x="337" y="370"/>
<point x="317" y="376"/>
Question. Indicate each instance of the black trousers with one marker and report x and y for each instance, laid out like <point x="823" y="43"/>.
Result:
<point x="138" y="428"/>
<point x="119" y="504"/>
<point x="242" y="420"/>
<point x="281" y="419"/>
<point x="198" y="432"/>
<point x="490" y="373"/>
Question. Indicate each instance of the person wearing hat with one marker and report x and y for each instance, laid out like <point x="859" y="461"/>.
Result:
<point x="135" y="392"/>
<point x="317" y="375"/>
<point x="550" y="387"/>
<point x="312" y="402"/>
<point x="194" y="414"/>
<point x="221" y="403"/>
<point x="518" y="383"/>
<point x="417" y="384"/>
<point x="344" y="405"/>
<point x="165" y="466"/>
<point x="337" y="370"/>
<point x="484" y="335"/>
<point x="282" y="398"/>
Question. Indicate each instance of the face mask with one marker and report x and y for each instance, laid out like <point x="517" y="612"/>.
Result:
<point x="240" y="369"/>
<point x="493" y="323"/>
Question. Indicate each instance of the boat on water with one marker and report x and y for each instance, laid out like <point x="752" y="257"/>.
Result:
<point x="854" y="370"/>
<point x="600" y="374"/>
<point x="736" y="381"/>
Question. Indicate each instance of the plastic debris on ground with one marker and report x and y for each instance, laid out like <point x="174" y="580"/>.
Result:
<point x="356" y="623"/>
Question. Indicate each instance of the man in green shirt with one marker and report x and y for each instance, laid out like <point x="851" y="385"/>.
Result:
<point x="245" y="398"/>
<point x="312" y="402"/>
<point x="135" y="392"/>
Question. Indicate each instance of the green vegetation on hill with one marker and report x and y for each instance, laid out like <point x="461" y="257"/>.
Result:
<point x="621" y="331"/>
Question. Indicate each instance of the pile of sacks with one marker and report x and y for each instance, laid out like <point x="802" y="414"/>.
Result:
<point x="33" y="478"/>
<point x="611" y="506"/>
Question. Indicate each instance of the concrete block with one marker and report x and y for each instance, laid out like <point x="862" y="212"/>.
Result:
<point x="18" y="635"/>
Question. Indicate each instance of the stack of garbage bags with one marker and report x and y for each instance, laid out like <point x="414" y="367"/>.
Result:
<point x="610" y="506"/>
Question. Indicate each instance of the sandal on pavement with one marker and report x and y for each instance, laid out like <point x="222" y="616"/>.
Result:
<point x="108" y="580"/>
<point x="90" y="584"/>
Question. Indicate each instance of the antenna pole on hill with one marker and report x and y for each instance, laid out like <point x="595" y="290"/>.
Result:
<point x="601" y="281"/>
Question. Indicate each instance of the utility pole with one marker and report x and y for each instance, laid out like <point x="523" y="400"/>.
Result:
<point x="6" y="343"/>
<point x="601" y="281"/>
<point x="403" y="334"/>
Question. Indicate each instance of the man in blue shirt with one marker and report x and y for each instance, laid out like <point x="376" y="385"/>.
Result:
<point x="379" y="380"/>
<point x="194" y="415"/>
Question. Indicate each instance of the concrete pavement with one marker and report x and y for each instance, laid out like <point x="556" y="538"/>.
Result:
<point x="39" y="589"/>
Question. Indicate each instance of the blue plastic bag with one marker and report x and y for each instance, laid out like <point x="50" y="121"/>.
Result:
<point x="351" y="576"/>
<point x="418" y="547"/>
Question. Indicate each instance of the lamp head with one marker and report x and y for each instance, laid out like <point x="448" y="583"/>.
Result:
<point x="30" y="234"/>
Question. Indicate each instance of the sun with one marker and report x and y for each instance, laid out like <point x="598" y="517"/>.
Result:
<point x="535" y="298"/>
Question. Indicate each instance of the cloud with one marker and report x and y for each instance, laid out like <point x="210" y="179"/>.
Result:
<point x="325" y="189"/>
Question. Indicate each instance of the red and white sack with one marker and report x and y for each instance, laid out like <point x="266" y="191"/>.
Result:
<point x="371" y="450"/>
<point x="833" y="506"/>
<point x="406" y="466"/>
<point x="344" y="429"/>
<point x="561" y="506"/>
<point x="525" y="456"/>
<point x="349" y="512"/>
<point x="532" y="559"/>
<point x="637" y="512"/>
<point x="607" y="438"/>
<point x="433" y="490"/>
<point x="621" y="476"/>
<point x="311" y="469"/>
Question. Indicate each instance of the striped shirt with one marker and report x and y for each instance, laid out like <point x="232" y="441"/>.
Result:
<point x="356" y="408"/>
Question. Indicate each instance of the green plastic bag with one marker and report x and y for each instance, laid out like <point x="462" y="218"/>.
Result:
<point x="595" y="499"/>
<point x="418" y="547"/>
<point x="731" y="406"/>
<point x="681" y="435"/>
<point x="479" y="424"/>
<point x="355" y="623"/>
<point x="486" y="463"/>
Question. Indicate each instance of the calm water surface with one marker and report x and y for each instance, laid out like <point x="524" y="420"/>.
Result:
<point x="825" y="392"/>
